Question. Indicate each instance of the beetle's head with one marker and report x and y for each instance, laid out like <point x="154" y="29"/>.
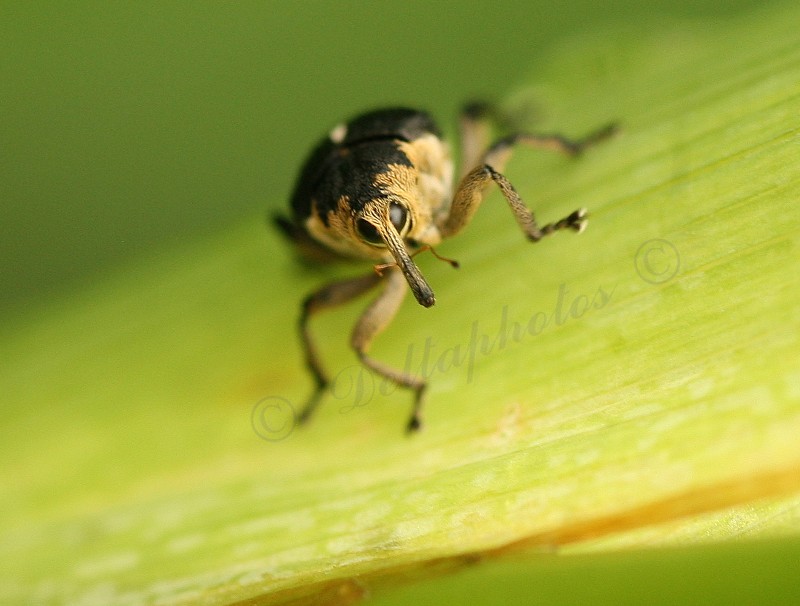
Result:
<point x="377" y="203"/>
<point x="386" y="223"/>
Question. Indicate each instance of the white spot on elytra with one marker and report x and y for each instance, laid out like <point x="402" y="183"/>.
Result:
<point x="338" y="133"/>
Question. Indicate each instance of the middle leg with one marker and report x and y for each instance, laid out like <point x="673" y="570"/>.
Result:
<point x="500" y="152"/>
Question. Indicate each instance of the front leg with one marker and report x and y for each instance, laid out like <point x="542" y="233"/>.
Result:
<point x="371" y="323"/>
<point x="327" y="297"/>
<point x="470" y="194"/>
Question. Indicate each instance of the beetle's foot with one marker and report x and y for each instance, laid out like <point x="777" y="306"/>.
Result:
<point x="414" y="425"/>
<point x="578" y="220"/>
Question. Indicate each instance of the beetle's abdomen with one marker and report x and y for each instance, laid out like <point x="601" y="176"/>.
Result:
<point x="397" y="123"/>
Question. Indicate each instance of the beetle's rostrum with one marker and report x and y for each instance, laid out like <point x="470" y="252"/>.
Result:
<point x="380" y="188"/>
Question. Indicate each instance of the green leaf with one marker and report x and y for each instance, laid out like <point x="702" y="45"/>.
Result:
<point x="637" y="385"/>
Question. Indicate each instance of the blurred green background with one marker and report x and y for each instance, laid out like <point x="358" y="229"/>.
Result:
<point x="128" y="127"/>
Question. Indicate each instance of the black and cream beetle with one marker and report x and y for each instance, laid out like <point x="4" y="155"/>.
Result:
<point x="380" y="187"/>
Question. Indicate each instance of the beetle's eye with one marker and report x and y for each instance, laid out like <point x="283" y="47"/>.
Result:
<point x="398" y="215"/>
<point x="369" y="232"/>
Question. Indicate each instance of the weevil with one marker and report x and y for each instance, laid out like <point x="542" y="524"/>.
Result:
<point x="380" y="188"/>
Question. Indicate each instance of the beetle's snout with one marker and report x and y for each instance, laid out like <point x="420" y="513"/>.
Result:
<point x="419" y="286"/>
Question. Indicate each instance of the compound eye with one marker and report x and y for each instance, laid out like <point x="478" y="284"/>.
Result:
<point x="369" y="233"/>
<point x="398" y="215"/>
